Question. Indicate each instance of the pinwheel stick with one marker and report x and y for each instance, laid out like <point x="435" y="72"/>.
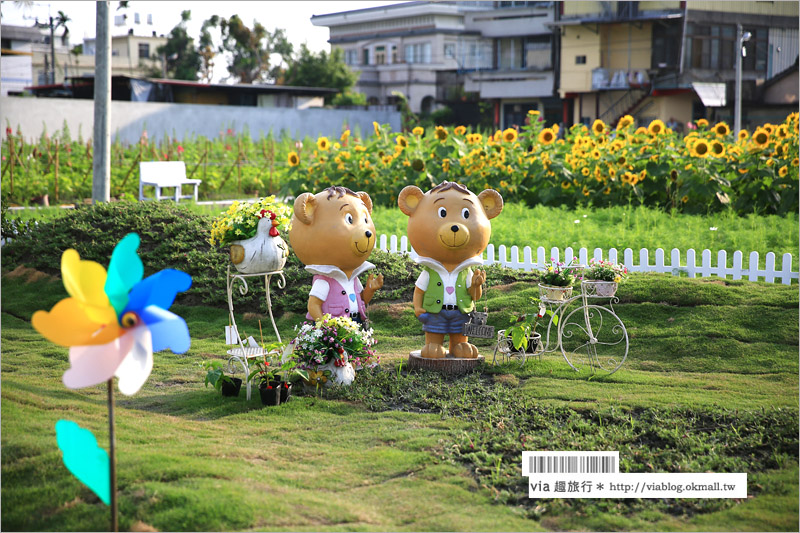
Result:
<point x="112" y="455"/>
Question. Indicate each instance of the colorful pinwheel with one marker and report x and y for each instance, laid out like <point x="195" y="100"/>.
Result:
<point x="113" y="322"/>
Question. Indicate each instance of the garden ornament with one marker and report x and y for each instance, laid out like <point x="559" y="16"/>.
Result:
<point x="449" y="228"/>
<point x="112" y="323"/>
<point x="333" y="235"/>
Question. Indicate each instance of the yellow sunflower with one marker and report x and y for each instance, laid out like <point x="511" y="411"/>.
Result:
<point x="782" y="131"/>
<point x="701" y="123"/>
<point x="640" y="130"/>
<point x="598" y="127"/>
<point x="376" y="127"/>
<point x="656" y="127"/>
<point x="717" y="148"/>
<point x="700" y="148"/>
<point x="345" y="136"/>
<point x="323" y="143"/>
<point x="510" y="135"/>
<point x="585" y="171"/>
<point x="721" y="129"/>
<point x="418" y="131"/>
<point x="743" y="135"/>
<point x="565" y="185"/>
<point x="795" y="162"/>
<point x="760" y="137"/>
<point x="624" y="122"/>
<point x="460" y="130"/>
<point x="784" y="170"/>
<point x="547" y="136"/>
<point x="293" y="159"/>
<point x="401" y="141"/>
<point x="441" y="133"/>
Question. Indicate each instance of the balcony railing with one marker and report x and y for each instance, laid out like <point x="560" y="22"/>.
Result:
<point x="605" y="79"/>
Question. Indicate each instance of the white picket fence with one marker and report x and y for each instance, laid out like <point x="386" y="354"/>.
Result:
<point x="752" y="272"/>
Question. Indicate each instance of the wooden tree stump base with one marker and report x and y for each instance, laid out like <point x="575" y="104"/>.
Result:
<point x="447" y="365"/>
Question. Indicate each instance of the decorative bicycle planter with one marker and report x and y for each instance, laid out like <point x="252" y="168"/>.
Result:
<point x="589" y="335"/>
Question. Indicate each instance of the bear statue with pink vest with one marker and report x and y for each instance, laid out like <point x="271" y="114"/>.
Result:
<point x="333" y="235"/>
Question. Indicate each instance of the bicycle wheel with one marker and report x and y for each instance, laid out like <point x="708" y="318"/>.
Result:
<point x="593" y="337"/>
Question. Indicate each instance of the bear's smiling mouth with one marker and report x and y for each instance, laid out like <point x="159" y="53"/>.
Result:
<point x="455" y="244"/>
<point x="355" y="243"/>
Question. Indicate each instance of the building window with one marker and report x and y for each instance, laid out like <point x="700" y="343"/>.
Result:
<point x="394" y="54"/>
<point x="365" y="57"/>
<point x="524" y="53"/>
<point x="144" y="50"/>
<point x="666" y="45"/>
<point x="580" y="60"/>
<point x="351" y="57"/>
<point x="714" y="47"/>
<point x="418" y="53"/>
<point x="380" y="55"/>
<point x="137" y="19"/>
<point x="449" y="50"/>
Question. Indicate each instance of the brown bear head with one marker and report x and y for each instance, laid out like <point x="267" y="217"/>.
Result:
<point x="333" y="227"/>
<point x="449" y="223"/>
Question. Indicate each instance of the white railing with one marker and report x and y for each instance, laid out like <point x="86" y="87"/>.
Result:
<point x="751" y="272"/>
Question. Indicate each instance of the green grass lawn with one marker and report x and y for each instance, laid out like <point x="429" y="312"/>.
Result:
<point x="710" y="384"/>
<point x="613" y="227"/>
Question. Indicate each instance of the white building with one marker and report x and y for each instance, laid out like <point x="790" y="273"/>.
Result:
<point x="435" y="52"/>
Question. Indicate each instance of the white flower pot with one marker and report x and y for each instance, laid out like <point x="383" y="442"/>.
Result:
<point x="555" y="294"/>
<point x="262" y="253"/>
<point x="341" y="375"/>
<point x="600" y="288"/>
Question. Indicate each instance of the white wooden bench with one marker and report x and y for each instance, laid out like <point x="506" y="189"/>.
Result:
<point x="164" y="175"/>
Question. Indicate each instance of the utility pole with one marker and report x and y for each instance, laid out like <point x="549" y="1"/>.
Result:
<point x="101" y="161"/>
<point x="740" y="51"/>
<point x="52" y="53"/>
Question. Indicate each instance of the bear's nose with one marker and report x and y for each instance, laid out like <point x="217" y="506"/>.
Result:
<point x="368" y="234"/>
<point x="454" y="228"/>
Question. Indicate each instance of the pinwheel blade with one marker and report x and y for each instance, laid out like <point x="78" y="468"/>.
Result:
<point x="84" y="281"/>
<point x="90" y="365"/>
<point x="137" y="365"/>
<point x="69" y="323"/>
<point x="159" y="290"/>
<point x="84" y="458"/>
<point x="168" y="329"/>
<point x="124" y="271"/>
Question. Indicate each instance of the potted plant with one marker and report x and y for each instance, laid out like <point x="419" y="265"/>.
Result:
<point x="522" y="330"/>
<point x="215" y="376"/>
<point x="289" y="372"/>
<point x="557" y="280"/>
<point x="328" y="348"/>
<point x="601" y="278"/>
<point x="253" y="232"/>
<point x="268" y="387"/>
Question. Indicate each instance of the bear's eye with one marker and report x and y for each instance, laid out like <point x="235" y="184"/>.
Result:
<point x="366" y="221"/>
<point x="348" y="218"/>
<point x="465" y="213"/>
<point x="442" y="212"/>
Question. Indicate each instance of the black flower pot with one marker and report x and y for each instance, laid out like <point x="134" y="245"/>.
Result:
<point x="286" y="391"/>
<point x="231" y="389"/>
<point x="270" y="393"/>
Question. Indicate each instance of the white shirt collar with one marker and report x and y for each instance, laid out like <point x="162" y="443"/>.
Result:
<point x="336" y="272"/>
<point x="442" y="271"/>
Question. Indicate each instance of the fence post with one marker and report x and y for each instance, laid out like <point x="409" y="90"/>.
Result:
<point x="659" y="259"/>
<point x="691" y="265"/>
<point x="786" y="269"/>
<point x="489" y="255"/>
<point x="769" y="268"/>
<point x="554" y="254"/>
<point x="239" y="168"/>
<point x="644" y="260"/>
<point x="501" y="253"/>
<point x="612" y="255"/>
<point x="527" y="256"/>
<point x="722" y="264"/>
<point x="753" y="267"/>
<point x="541" y="260"/>
<point x="737" y="265"/>
<point x="382" y="245"/>
<point x="55" y="171"/>
<point x="705" y="263"/>
<point x="627" y="254"/>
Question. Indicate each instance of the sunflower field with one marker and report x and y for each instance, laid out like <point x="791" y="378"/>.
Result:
<point x="710" y="169"/>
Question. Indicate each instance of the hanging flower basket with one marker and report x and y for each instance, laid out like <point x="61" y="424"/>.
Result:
<point x="600" y="288"/>
<point x="555" y="294"/>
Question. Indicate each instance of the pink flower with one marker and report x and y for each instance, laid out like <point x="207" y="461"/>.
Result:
<point x="180" y="149"/>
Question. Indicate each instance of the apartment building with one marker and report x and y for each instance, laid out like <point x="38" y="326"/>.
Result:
<point x="27" y="56"/>
<point x="661" y="59"/>
<point x="436" y="52"/>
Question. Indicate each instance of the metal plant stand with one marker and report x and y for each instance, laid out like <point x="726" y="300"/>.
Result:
<point x="242" y="353"/>
<point x="590" y="335"/>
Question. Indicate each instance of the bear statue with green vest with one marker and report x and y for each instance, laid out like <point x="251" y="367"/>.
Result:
<point x="449" y="228"/>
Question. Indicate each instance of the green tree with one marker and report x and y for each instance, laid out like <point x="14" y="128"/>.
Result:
<point x="251" y="51"/>
<point x="320" y="70"/>
<point x="183" y="61"/>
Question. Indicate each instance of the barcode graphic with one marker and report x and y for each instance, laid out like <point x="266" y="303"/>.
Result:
<point x="570" y="463"/>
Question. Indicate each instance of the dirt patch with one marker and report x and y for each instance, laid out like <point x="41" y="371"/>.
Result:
<point x="507" y="379"/>
<point x="254" y="316"/>
<point x="141" y="526"/>
<point x="396" y="310"/>
<point x="505" y="287"/>
<point x="29" y="274"/>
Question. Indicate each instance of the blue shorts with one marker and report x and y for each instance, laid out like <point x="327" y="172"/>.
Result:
<point x="447" y="321"/>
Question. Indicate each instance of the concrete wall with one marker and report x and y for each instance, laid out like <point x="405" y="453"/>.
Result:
<point x="128" y="119"/>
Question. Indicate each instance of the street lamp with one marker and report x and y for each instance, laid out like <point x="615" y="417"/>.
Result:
<point x="741" y="52"/>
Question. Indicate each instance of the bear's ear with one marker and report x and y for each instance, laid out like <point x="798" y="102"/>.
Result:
<point x="304" y="207"/>
<point x="492" y="202"/>
<point x="366" y="199"/>
<point x="409" y="199"/>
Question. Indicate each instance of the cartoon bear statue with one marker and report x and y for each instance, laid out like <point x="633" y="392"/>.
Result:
<point x="449" y="228"/>
<point x="333" y="235"/>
